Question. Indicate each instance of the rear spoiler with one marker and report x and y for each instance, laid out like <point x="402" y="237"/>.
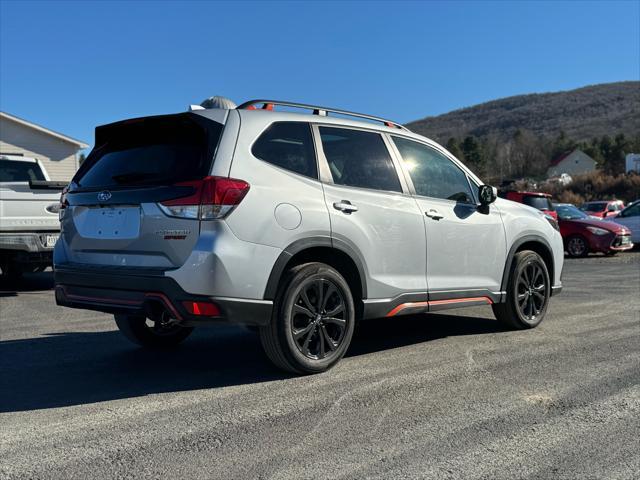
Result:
<point x="46" y="185"/>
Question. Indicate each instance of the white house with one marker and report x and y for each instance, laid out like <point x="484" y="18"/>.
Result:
<point x="575" y="162"/>
<point x="57" y="152"/>
<point x="632" y="162"/>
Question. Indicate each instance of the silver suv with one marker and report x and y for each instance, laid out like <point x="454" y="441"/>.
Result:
<point x="299" y="224"/>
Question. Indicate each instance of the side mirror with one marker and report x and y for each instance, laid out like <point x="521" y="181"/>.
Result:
<point x="487" y="194"/>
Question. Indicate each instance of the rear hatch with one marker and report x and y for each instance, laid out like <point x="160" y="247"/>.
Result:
<point x="113" y="212"/>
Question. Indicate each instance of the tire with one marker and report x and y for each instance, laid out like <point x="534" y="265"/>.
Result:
<point x="312" y="322"/>
<point x="136" y="329"/>
<point x="577" y="246"/>
<point x="528" y="293"/>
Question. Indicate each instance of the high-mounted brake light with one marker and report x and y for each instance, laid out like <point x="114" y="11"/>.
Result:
<point x="211" y="198"/>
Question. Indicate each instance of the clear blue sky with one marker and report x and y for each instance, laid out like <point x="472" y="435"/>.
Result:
<point x="73" y="65"/>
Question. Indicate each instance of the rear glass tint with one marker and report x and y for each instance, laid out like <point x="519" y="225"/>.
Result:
<point x="17" y="171"/>
<point x="151" y="151"/>
<point x="594" y="206"/>
<point x="359" y="159"/>
<point x="541" y="203"/>
<point x="288" y="145"/>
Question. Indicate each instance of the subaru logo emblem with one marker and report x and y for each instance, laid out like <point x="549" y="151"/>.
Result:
<point x="104" y="196"/>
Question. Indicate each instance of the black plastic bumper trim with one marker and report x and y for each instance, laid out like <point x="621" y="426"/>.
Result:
<point x="110" y="291"/>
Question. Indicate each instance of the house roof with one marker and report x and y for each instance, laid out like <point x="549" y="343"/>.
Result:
<point x="559" y="158"/>
<point x="42" y="129"/>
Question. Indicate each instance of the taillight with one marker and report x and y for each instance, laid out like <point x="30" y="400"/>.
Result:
<point x="64" y="203"/>
<point x="205" y="309"/>
<point x="213" y="197"/>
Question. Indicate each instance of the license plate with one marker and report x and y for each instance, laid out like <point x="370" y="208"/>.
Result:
<point x="109" y="223"/>
<point x="50" y="240"/>
<point x="625" y="240"/>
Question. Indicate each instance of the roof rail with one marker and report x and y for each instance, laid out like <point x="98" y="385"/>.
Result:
<point x="317" y="110"/>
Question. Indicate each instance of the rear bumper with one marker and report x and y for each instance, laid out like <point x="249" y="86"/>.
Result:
<point x="113" y="291"/>
<point x="31" y="242"/>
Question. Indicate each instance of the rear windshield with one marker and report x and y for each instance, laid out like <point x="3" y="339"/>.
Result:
<point x="151" y="151"/>
<point x="17" y="171"/>
<point x="541" y="203"/>
<point x="594" y="206"/>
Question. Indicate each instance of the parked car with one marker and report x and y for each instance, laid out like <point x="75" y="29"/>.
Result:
<point x="29" y="225"/>
<point x="630" y="218"/>
<point x="603" y="209"/>
<point x="539" y="200"/>
<point x="299" y="224"/>
<point x="582" y="234"/>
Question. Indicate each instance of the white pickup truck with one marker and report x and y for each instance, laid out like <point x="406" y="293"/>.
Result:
<point x="29" y="225"/>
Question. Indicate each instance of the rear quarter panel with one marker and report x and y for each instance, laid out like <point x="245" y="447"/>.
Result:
<point x="280" y="207"/>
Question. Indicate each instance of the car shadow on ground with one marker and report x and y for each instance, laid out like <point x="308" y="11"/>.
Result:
<point x="30" y="282"/>
<point x="75" y="368"/>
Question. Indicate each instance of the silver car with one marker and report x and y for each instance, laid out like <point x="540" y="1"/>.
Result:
<point x="299" y="224"/>
<point x="630" y="218"/>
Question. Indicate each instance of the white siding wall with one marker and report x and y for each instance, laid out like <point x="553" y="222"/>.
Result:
<point x="576" y="163"/>
<point x="57" y="156"/>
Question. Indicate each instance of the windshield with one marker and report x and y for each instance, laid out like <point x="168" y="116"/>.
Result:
<point x="17" y="171"/>
<point x="594" y="206"/>
<point x="150" y="151"/>
<point x="541" y="203"/>
<point x="569" y="212"/>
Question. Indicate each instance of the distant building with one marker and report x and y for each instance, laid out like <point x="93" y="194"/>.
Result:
<point x="575" y="162"/>
<point x="632" y="162"/>
<point x="57" y="152"/>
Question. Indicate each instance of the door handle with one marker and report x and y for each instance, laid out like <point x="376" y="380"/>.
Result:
<point x="345" y="206"/>
<point x="433" y="213"/>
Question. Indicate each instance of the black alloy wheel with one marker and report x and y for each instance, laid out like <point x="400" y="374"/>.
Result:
<point x="313" y="320"/>
<point x="531" y="289"/>
<point x="318" y="318"/>
<point x="528" y="292"/>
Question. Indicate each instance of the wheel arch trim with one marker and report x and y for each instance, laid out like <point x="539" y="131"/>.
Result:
<point x="515" y="246"/>
<point x="301" y="245"/>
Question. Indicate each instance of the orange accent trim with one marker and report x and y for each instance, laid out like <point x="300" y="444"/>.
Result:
<point x="406" y="305"/>
<point x="461" y="300"/>
<point x="401" y="307"/>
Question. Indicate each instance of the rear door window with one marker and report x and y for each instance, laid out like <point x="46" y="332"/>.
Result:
<point x="288" y="145"/>
<point x="359" y="159"/>
<point x="151" y="151"/>
<point x="17" y="171"/>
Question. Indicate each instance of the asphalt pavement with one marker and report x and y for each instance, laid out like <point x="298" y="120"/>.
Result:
<point x="448" y="395"/>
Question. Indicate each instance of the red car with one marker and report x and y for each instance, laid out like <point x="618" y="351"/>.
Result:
<point x="583" y="234"/>
<point x="603" y="208"/>
<point x="539" y="200"/>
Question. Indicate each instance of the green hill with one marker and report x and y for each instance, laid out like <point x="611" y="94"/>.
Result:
<point x="584" y="113"/>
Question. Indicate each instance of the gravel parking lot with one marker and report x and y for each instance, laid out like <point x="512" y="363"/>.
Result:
<point x="438" y="396"/>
